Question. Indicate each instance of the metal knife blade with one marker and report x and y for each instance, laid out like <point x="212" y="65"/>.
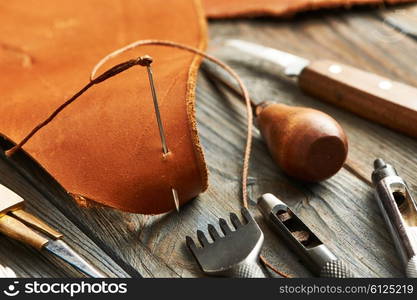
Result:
<point x="291" y="64"/>
<point x="61" y="249"/>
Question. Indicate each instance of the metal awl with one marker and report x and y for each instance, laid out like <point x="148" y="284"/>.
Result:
<point x="160" y="125"/>
<point x="320" y="260"/>
<point x="399" y="209"/>
<point x="22" y="226"/>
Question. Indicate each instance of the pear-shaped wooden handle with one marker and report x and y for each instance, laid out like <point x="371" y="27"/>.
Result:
<point x="307" y="144"/>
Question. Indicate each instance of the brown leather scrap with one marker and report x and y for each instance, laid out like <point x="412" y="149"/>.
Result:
<point x="105" y="146"/>
<point x="283" y="8"/>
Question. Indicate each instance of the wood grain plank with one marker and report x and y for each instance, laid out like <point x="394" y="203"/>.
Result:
<point x="337" y="210"/>
<point x="402" y="18"/>
<point x="379" y="57"/>
<point x="342" y="206"/>
<point x="341" y="210"/>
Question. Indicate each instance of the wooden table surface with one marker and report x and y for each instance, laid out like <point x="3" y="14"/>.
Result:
<point x="342" y="210"/>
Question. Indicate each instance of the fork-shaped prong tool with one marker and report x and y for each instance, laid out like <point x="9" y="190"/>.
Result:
<point x="236" y="254"/>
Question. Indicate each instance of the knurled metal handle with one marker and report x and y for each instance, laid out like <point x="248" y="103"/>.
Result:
<point x="411" y="270"/>
<point x="336" y="269"/>
<point x="248" y="270"/>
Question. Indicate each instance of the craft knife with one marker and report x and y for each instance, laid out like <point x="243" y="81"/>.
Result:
<point x="22" y="226"/>
<point x="399" y="209"/>
<point x="318" y="258"/>
<point x="365" y="94"/>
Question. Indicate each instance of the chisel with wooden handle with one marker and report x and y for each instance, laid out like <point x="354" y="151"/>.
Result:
<point x="384" y="101"/>
<point x="26" y="228"/>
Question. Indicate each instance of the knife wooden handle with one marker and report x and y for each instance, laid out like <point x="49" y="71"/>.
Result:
<point x="15" y="229"/>
<point x="376" y="98"/>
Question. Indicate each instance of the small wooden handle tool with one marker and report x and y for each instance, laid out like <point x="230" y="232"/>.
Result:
<point x="376" y="98"/>
<point x="305" y="143"/>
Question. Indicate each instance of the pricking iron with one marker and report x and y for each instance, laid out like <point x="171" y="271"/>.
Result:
<point x="24" y="227"/>
<point x="319" y="259"/>
<point x="236" y="254"/>
<point x="399" y="209"/>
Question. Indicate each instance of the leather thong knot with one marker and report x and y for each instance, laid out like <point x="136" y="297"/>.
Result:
<point x="145" y="60"/>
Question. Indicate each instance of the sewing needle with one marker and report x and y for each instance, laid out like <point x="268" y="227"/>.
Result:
<point x="156" y="106"/>
<point x="159" y="121"/>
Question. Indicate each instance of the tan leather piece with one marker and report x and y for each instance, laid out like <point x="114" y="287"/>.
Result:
<point x="105" y="146"/>
<point x="253" y="8"/>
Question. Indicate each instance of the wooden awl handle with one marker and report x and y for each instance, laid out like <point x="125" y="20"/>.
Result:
<point x="376" y="98"/>
<point x="306" y="143"/>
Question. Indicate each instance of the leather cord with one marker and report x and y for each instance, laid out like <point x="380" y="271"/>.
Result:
<point x="244" y="93"/>
<point x="142" y="61"/>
